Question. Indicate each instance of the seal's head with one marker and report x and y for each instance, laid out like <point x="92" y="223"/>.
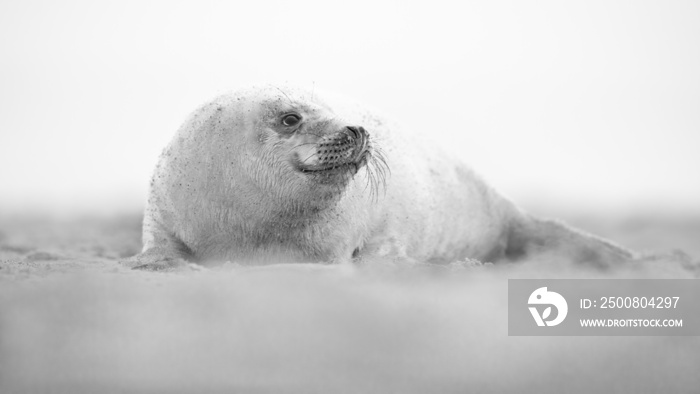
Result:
<point x="294" y="148"/>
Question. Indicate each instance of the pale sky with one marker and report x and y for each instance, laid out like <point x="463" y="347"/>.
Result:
<point x="593" y="104"/>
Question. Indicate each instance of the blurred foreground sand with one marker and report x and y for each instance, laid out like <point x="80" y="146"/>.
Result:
<point x="72" y="320"/>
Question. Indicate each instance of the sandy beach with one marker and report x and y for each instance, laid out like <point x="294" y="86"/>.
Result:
<point x="73" y="320"/>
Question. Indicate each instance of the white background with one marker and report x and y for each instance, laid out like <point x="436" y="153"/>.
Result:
<point x="584" y="105"/>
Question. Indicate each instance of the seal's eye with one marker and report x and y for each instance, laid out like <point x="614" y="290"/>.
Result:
<point x="291" y="120"/>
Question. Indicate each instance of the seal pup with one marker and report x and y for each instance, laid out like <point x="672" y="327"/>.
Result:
<point x="269" y="175"/>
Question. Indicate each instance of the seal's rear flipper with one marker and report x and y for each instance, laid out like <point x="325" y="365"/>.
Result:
<point x="532" y="238"/>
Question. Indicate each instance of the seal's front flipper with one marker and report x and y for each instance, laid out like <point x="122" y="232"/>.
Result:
<point x="156" y="260"/>
<point x="163" y="265"/>
<point x="532" y="238"/>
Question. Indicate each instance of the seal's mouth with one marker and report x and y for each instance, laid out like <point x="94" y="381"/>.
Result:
<point x="335" y="168"/>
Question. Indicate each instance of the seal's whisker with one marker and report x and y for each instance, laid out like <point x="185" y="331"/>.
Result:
<point x="375" y="192"/>
<point x="370" y="180"/>
<point x="374" y="195"/>
<point x="380" y="178"/>
<point x="285" y="95"/>
<point x="380" y="156"/>
<point x="377" y="167"/>
<point x="382" y="162"/>
<point x="382" y="166"/>
<point x="381" y="171"/>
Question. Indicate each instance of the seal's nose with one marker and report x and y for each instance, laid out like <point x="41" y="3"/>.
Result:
<point x="357" y="131"/>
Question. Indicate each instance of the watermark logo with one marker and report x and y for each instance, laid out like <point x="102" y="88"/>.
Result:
<point x="603" y="307"/>
<point x="543" y="297"/>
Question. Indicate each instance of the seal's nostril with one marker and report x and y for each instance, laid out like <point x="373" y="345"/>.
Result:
<point x="355" y="132"/>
